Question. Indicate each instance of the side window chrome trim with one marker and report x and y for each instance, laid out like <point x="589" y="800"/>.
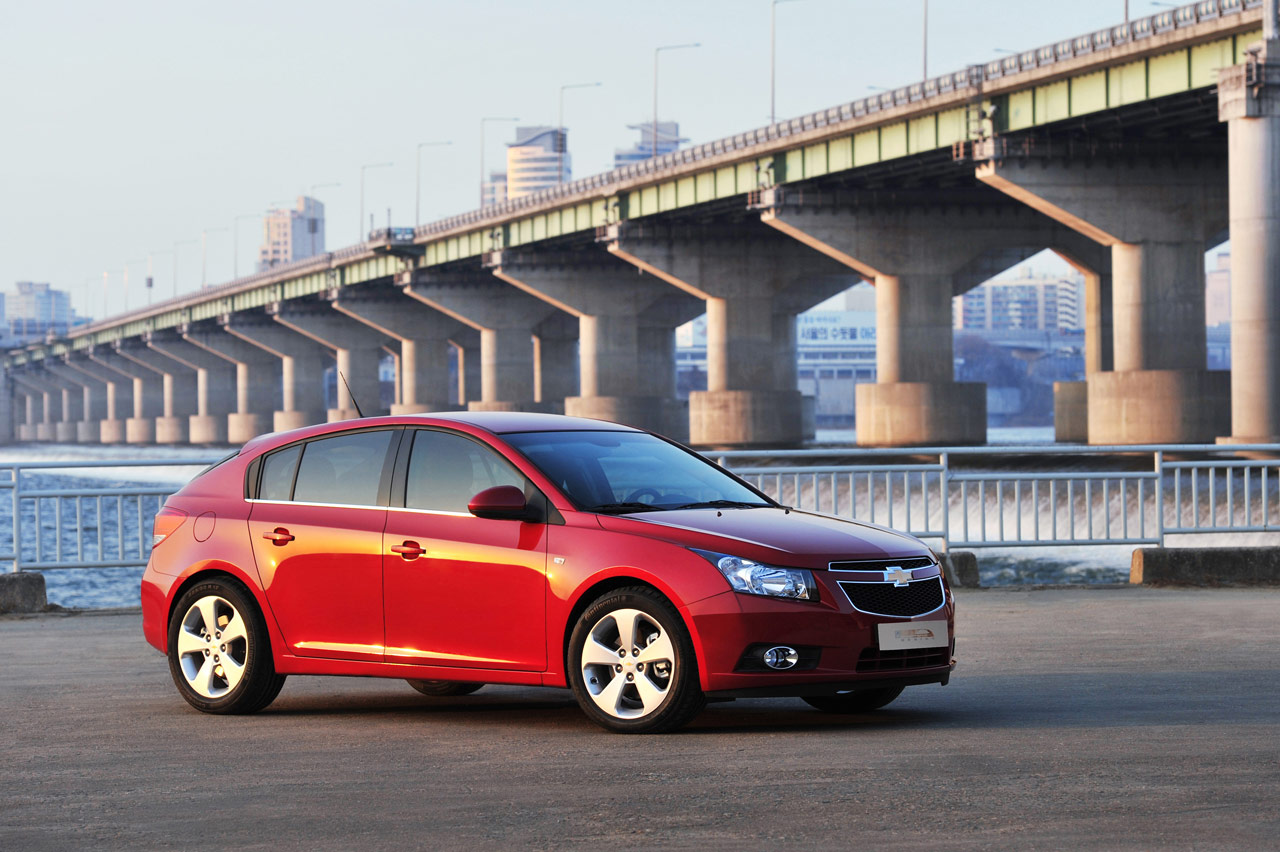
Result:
<point x="430" y="512"/>
<point x="317" y="505"/>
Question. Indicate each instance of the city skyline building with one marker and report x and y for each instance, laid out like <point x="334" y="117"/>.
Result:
<point x="33" y="309"/>
<point x="292" y="234"/>
<point x="1217" y="291"/>
<point x="1028" y="302"/>
<point x="538" y="159"/>
<point x="494" y="190"/>
<point x="669" y="139"/>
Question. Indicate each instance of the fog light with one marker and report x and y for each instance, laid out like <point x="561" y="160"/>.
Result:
<point x="781" y="657"/>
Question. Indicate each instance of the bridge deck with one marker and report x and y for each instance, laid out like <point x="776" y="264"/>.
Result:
<point x="1082" y="719"/>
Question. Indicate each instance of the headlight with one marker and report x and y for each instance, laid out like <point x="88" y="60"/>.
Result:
<point x="756" y="578"/>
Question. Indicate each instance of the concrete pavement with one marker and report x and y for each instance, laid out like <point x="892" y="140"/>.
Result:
<point x="1082" y="719"/>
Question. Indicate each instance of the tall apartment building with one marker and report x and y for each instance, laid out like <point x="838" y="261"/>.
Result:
<point x="35" y="308"/>
<point x="669" y="139"/>
<point x="1028" y="303"/>
<point x="537" y="160"/>
<point x="494" y="190"/>
<point x="289" y="235"/>
<point x="1217" y="291"/>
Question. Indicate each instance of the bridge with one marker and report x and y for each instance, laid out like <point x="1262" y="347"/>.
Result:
<point x="1128" y="151"/>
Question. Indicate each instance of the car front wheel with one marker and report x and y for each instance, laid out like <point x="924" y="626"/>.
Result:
<point x="631" y="664"/>
<point x="219" y="654"/>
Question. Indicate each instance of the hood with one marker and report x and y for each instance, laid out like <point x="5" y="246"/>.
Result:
<point x="793" y="536"/>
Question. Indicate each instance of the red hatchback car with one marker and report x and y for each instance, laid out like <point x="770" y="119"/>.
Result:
<point x="461" y="549"/>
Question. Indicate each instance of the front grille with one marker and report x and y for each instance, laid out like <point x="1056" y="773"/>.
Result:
<point x="883" y="564"/>
<point x="875" y="660"/>
<point x="914" y="598"/>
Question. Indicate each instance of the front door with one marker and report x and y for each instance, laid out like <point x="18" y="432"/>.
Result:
<point x="461" y="590"/>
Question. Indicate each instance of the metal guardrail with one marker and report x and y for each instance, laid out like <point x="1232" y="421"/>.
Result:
<point x="977" y="497"/>
<point x="89" y="523"/>
<point x="966" y="498"/>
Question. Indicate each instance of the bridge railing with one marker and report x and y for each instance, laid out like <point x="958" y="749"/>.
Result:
<point x="1031" y="496"/>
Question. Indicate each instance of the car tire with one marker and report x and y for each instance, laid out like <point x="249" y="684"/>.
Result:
<point x="854" y="702"/>
<point x="219" y="650"/>
<point x="649" y="688"/>
<point x="443" y="688"/>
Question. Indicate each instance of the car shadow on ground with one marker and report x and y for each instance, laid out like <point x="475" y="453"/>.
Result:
<point x="996" y="702"/>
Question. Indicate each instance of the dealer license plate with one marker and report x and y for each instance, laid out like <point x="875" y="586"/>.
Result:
<point x="912" y="634"/>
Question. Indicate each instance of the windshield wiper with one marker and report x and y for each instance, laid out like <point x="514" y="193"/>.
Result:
<point x="624" y="508"/>
<point x="723" y="504"/>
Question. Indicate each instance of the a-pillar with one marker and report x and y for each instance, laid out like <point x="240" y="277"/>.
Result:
<point x="1249" y="102"/>
<point x="626" y="324"/>
<point x="1156" y="212"/>
<point x="148" y="394"/>
<point x="118" y="398"/>
<point x="257" y="380"/>
<point x="357" y="350"/>
<point x="302" y="366"/>
<point x="178" y="392"/>
<point x="85" y="429"/>
<point x="507" y="321"/>
<point x="215" y="388"/>
<point x="752" y="282"/>
<point x="422" y="369"/>
<point x="47" y="398"/>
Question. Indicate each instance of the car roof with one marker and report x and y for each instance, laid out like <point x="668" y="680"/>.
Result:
<point x="495" y="422"/>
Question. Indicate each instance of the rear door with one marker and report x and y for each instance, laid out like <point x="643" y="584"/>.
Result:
<point x="461" y="590"/>
<point x="316" y="528"/>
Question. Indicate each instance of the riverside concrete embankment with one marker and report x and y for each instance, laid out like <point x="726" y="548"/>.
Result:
<point x="1124" y="718"/>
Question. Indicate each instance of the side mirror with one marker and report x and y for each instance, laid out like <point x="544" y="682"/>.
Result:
<point x="502" y="503"/>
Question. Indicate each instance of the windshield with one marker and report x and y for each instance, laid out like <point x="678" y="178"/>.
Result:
<point x="621" y="472"/>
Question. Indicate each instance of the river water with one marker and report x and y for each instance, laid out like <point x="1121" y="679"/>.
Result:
<point x="119" y="587"/>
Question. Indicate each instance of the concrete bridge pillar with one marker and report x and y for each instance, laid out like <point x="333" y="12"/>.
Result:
<point x="507" y="322"/>
<point x="148" y="394"/>
<point x="44" y="408"/>
<point x="178" y="392"/>
<point x="752" y="282"/>
<point x="256" y="385"/>
<point x="117" y="399"/>
<point x="357" y="350"/>
<point x="625" y="324"/>
<point x="422" y="369"/>
<point x="1251" y="109"/>
<point x="302" y="366"/>
<point x="85" y="429"/>
<point x="73" y="401"/>
<point x="466" y="347"/>
<point x="8" y="396"/>
<point x="1157" y="218"/>
<point x="215" y="386"/>
<point x="26" y="427"/>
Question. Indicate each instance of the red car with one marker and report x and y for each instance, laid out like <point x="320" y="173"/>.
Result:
<point x="461" y="549"/>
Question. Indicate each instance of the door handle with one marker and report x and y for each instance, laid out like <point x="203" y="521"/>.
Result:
<point x="279" y="536"/>
<point x="408" y="550"/>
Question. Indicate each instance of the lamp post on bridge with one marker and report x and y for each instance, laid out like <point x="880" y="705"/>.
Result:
<point x="125" y="279"/>
<point x="484" y="121"/>
<point x="151" y="271"/>
<point x="204" y="254"/>
<point x="363" y="168"/>
<point x="417" y="181"/>
<point x="656" y="51"/>
<point x="562" y="142"/>
<point x="773" y="53"/>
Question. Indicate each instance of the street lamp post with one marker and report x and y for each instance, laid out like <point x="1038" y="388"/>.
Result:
<point x="417" y="182"/>
<point x="484" y="121"/>
<point x="773" y="52"/>
<point x="924" y="49"/>
<point x="563" y="142"/>
<point x="656" y="51"/>
<point x="362" y="171"/>
<point x="151" y="272"/>
<point x="204" y="254"/>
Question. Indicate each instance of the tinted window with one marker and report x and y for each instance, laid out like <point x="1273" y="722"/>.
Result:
<point x="345" y="469"/>
<point x="597" y="469"/>
<point x="277" y="474"/>
<point x="446" y="471"/>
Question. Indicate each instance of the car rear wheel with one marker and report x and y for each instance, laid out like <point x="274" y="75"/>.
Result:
<point x="632" y="666"/>
<point x="219" y="654"/>
<point x="854" y="702"/>
<point x="441" y="688"/>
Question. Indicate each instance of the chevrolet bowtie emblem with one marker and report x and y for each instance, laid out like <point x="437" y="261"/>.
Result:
<point x="899" y="576"/>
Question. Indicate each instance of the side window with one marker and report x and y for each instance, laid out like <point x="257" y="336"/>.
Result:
<point x="345" y="469"/>
<point x="277" y="474"/>
<point x="446" y="471"/>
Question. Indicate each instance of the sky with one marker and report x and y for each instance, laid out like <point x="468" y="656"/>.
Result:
<point x="140" y="129"/>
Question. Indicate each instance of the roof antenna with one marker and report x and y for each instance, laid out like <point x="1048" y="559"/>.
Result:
<point x="359" y="413"/>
